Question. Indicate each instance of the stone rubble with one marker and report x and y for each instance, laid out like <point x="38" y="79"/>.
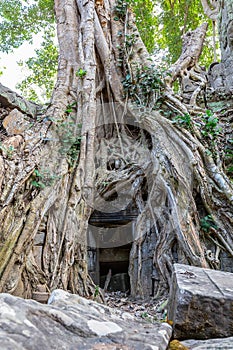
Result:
<point x="150" y="309"/>
<point x="70" y="322"/>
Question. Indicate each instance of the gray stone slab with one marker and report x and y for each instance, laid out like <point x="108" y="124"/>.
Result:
<point x="70" y="322"/>
<point x="210" y="344"/>
<point x="201" y="303"/>
<point x="9" y="98"/>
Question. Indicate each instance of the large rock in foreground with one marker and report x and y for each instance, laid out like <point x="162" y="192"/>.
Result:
<point x="211" y="344"/>
<point x="201" y="303"/>
<point x="74" y="323"/>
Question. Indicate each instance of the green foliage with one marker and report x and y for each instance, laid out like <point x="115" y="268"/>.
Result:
<point x="70" y="107"/>
<point x="10" y="151"/>
<point x="120" y="9"/>
<point x="2" y="70"/>
<point x="207" y="222"/>
<point x="144" y="315"/>
<point x="210" y="124"/>
<point x="211" y="128"/>
<point x="20" y="20"/>
<point x="73" y="152"/>
<point x="7" y="151"/>
<point x="43" y="67"/>
<point x="183" y="120"/>
<point x="70" y="137"/>
<point x="81" y="73"/>
<point x="148" y="317"/>
<point x="229" y="149"/>
<point x="145" y="18"/>
<point x="97" y="291"/>
<point x="145" y="88"/>
<point x="161" y="24"/>
<point x="230" y="170"/>
<point x="143" y="85"/>
<point x="42" y="178"/>
<point x="176" y="18"/>
<point x="146" y="21"/>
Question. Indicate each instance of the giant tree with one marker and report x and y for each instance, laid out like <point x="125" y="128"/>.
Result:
<point x="115" y="137"/>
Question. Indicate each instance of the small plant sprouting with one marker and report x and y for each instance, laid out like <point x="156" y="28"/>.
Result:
<point x="8" y="151"/>
<point x="42" y="178"/>
<point x="81" y="73"/>
<point x="70" y="107"/>
<point x="147" y="317"/>
<point x="97" y="291"/>
<point x="183" y="120"/>
<point x="208" y="152"/>
<point x="144" y="315"/>
<point x="207" y="222"/>
<point x="211" y="128"/>
<point x="37" y="179"/>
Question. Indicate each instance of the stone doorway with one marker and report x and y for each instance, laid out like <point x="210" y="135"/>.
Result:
<point x="110" y="238"/>
<point x="113" y="268"/>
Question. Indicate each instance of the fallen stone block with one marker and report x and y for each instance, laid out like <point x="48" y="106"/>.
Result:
<point x="70" y="322"/>
<point x="201" y="303"/>
<point x="11" y="99"/>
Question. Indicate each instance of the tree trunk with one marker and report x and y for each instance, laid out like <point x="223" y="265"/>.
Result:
<point x="103" y="147"/>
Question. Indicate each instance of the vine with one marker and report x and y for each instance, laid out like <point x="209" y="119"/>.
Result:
<point x="145" y="87"/>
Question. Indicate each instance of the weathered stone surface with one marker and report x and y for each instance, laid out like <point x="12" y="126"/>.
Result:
<point x="12" y="142"/>
<point x="210" y="344"/>
<point x="201" y="303"/>
<point x="118" y="282"/>
<point x="15" y="123"/>
<point x="70" y="322"/>
<point x="9" y="98"/>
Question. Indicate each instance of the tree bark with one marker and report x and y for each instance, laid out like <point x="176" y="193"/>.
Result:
<point x="211" y="8"/>
<point x="56" y="172"/>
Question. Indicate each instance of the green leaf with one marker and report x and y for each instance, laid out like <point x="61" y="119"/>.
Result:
<point x="81" y="73"/>
<point x="37" y="173"/>
<point x="37" y="184"/>
<point x="207" y="222"/>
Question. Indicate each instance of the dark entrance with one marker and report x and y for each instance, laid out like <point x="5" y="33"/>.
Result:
<point x="110" y="239"/>
<point x="113" y="268"/>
